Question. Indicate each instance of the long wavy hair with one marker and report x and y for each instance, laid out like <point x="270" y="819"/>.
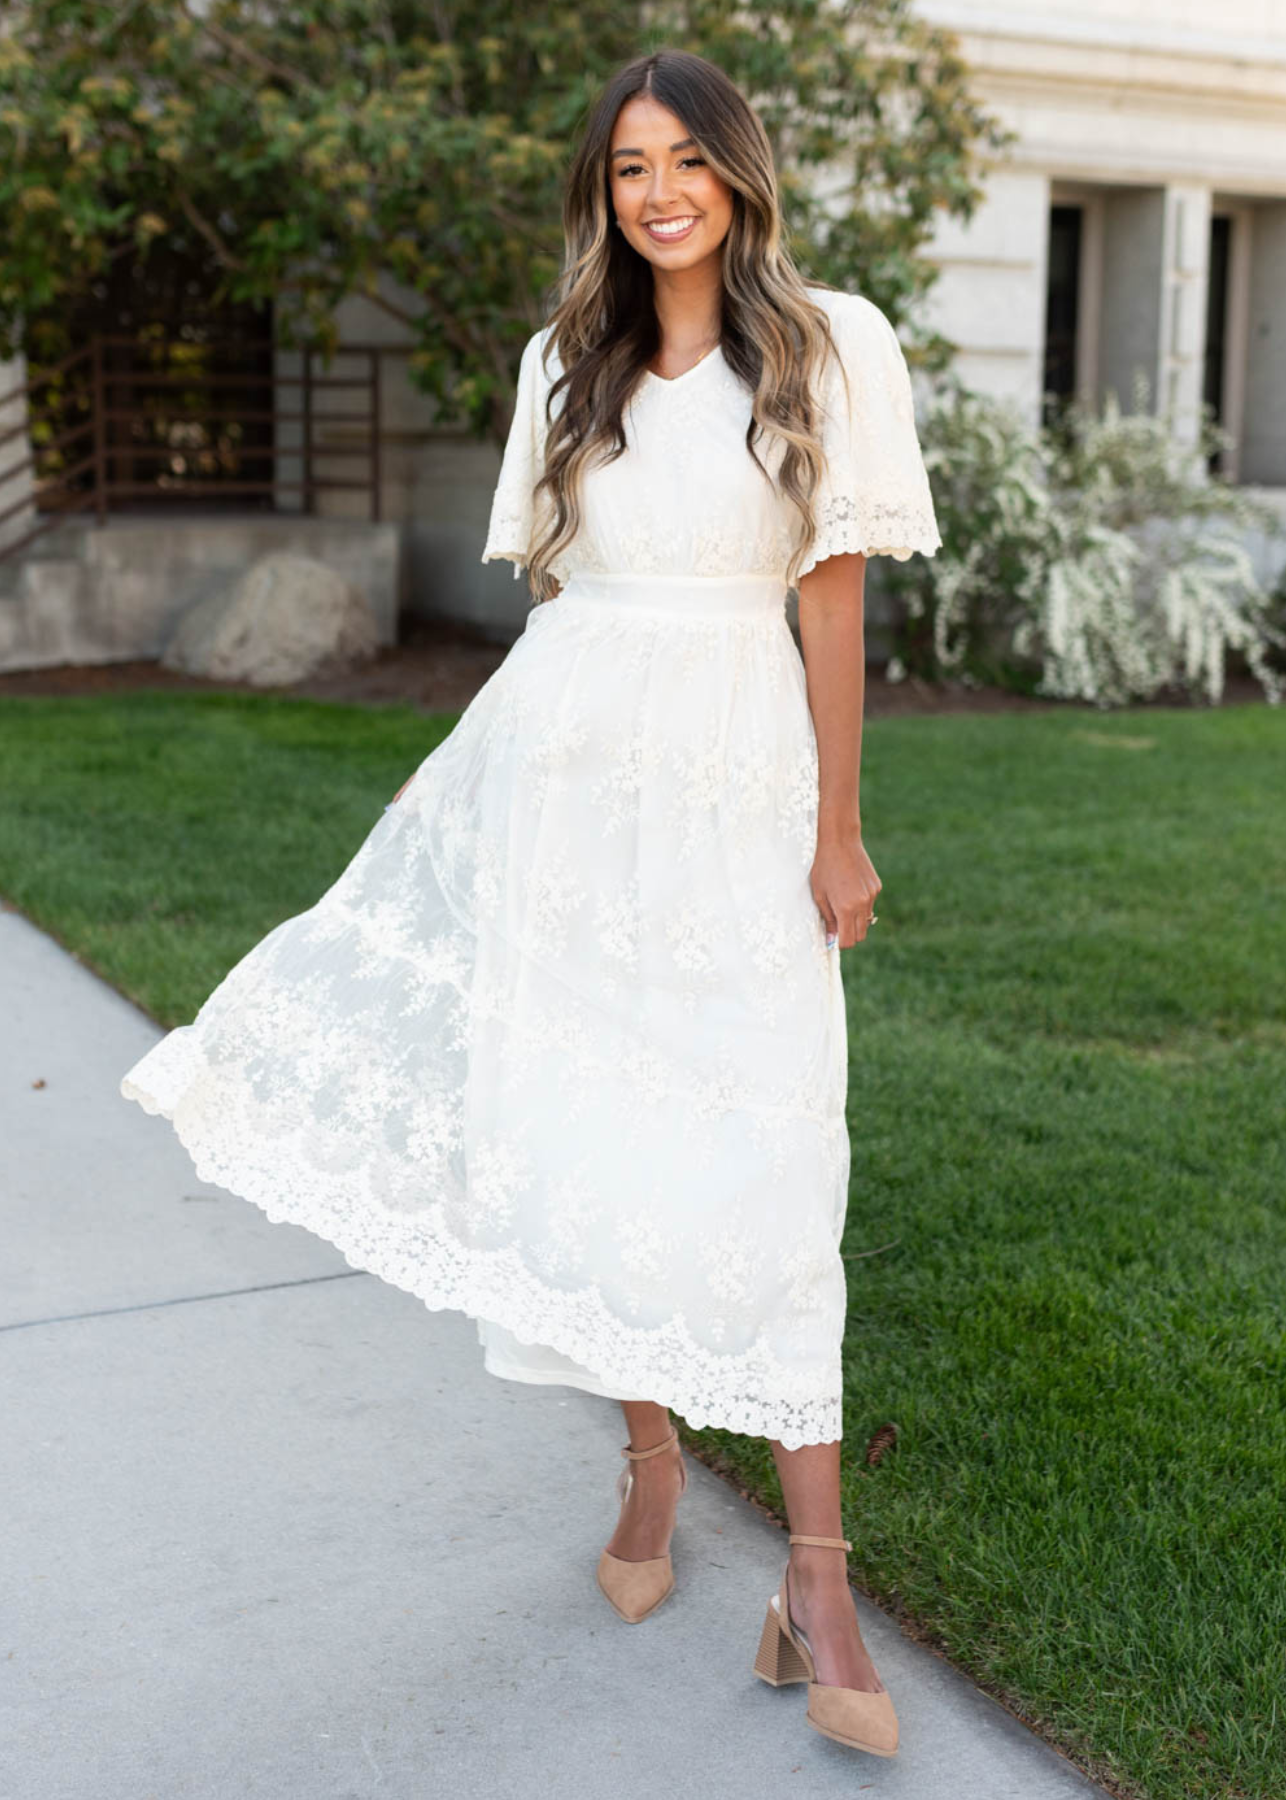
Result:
<point x="603" y="327"/>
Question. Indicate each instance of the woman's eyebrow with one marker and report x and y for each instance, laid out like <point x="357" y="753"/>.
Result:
<point x="683" y="144"/>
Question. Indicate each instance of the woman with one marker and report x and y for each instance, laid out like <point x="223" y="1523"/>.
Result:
<point x="564" y="1047"/>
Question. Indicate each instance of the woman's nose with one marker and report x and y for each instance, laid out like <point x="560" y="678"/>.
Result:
<point x="661" y="191"/>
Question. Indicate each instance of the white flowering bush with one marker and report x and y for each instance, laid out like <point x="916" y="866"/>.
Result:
<point x="1095" y="560"/>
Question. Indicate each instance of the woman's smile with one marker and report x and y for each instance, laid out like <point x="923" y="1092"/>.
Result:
<point x="669" y="231"/>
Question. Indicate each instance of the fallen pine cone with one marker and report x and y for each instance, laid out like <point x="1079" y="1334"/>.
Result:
<point x="884" y="1439"/>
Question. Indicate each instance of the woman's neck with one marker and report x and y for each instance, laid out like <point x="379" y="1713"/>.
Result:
<point x="689" y="307"/>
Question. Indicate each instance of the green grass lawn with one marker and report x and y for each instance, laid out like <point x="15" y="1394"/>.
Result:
<point x="1068" y="1049"/>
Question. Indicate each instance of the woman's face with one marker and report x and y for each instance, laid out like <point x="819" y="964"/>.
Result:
<point x="657" y="177"/>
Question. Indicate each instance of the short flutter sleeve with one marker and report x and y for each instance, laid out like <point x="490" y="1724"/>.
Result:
<point x="513" y="518"/>
<point x="874" y="497"/>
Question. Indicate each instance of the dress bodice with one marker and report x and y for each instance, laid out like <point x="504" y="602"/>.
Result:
<point x="687" y="498"/>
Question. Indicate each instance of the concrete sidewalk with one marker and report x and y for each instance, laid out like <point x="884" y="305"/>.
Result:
<point x="272" y="1533"/>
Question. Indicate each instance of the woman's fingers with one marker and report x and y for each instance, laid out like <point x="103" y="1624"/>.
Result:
<point x="856" y="919"/>
<point x="822" y="901"/>
<point x="847" y="917"/>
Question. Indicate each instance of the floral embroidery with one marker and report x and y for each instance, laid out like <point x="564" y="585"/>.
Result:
<point x="553" y="896"/>
<point x="555" y="747"/>
<point x="734" y="1267"/>
<point x="573" y="1209"/>
<point x="498" y="1172"/>
<point x="630" y="769"/>
<point x="618" y="922"/>
<point x="690" y="932"/>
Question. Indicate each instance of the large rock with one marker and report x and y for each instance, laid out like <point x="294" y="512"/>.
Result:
<point x="286" y="619"/>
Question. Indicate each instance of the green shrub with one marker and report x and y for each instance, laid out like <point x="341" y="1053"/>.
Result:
<point x="1094" y="559"/>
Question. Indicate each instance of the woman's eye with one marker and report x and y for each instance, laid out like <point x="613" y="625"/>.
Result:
<point x="635" y="168"/>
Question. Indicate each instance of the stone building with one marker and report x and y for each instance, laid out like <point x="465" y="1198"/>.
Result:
<point x="1139" y="222"/>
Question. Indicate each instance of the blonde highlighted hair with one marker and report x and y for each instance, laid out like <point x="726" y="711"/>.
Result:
<point x="603" y="327"/>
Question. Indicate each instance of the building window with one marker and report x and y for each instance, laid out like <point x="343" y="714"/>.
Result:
<point x="1062" y="309"/>
<point x="1216" y="354"/>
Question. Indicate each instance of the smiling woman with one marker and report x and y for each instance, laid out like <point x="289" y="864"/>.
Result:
<point x="564" y="1047"/>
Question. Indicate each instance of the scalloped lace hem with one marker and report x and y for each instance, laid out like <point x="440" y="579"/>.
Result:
<point x="418" y="1255"/>
<point x="846" y="529"/>
<point x="517" y="557"/>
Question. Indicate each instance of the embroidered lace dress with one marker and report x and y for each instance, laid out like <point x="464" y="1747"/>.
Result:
<point x="563" y="1046"/>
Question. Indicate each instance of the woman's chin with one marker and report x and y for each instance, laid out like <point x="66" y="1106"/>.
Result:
<point x="685" y="255"/>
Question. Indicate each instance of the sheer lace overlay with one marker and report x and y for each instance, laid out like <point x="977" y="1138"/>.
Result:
<point x="563" y="1046"/>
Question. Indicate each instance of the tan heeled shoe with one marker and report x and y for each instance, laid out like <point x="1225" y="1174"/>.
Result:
<point x="849" y="1715"/>
<point x="635" y="1589"/>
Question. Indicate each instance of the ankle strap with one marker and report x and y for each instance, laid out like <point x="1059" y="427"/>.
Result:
<point x="798" y="1537"/>
<point x="638" y="1455"/>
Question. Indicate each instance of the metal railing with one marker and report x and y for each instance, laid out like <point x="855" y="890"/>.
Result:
<point x="88" y="443"/>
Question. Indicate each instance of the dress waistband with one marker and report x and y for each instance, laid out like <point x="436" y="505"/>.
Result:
<point x="692" y="596"/>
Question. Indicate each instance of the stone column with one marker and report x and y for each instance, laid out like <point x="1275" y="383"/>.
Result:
<point x="1155" y="262"/>
<point x="1185" y="277"/>
<point x="1263" y="454"/>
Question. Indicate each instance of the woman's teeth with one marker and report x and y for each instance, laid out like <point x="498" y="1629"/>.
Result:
<point x="671" y="227"/>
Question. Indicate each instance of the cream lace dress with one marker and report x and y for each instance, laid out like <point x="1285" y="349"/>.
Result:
<point x="563" y="1046"/>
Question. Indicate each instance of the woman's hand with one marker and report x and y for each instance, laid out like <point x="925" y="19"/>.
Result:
<point x="844" y="885"/>
<point x="406" y="784"/>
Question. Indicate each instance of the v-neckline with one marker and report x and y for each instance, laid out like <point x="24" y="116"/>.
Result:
<point x="670" y="381"/>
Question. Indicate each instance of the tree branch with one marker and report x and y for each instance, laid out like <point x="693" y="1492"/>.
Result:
<point x="208" y="232"/>
<point x="393" y="310"/>
<point x="235" y="47"/>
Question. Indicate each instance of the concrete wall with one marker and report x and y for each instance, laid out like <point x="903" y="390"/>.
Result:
<point x="116" y="593"/>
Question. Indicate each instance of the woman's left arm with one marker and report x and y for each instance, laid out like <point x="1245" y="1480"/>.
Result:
<point x="831" y="629"/>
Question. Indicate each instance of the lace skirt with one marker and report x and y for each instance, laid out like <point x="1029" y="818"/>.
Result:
<point x="563" y="1046"/>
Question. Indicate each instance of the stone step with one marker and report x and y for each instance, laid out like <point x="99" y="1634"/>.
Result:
<point x="68" y="539"/>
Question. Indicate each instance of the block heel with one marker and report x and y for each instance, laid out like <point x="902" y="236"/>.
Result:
<point x="778" y="1662"/>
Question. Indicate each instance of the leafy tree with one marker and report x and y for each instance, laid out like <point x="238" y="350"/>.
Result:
<point x="311" y="145"/>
